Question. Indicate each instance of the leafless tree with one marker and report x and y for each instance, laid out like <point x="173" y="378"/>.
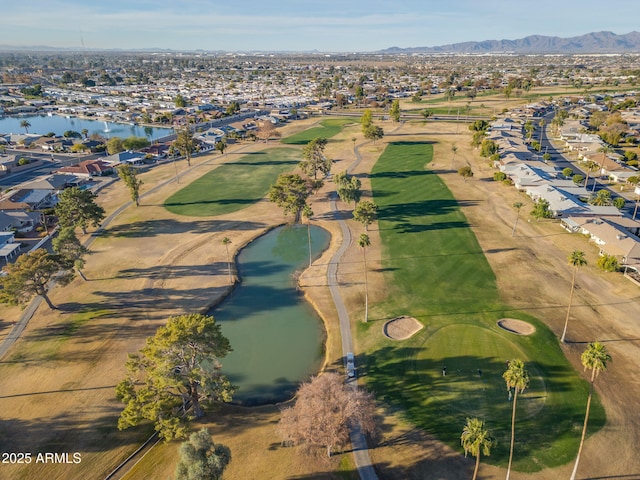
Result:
<point x="325" y="409"/>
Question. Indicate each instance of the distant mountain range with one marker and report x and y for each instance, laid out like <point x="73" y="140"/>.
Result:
<point x="596" y="42"/>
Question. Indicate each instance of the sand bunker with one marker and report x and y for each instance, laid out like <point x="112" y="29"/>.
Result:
<point x="516" y="326"/>
<point x="401" y="328"/>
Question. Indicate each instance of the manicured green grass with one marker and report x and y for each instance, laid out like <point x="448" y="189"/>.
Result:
<point x="327" y="129"/>
<point x="234" y="185"/>
<point x="437" y="272"/>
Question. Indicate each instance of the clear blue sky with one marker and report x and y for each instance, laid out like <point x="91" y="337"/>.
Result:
<point x="328" y="25"/>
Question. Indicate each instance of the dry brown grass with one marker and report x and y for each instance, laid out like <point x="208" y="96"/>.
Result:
<point x="57" y="388"/>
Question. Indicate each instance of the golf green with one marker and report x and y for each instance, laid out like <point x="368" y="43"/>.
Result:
<point x="467" y="363"/>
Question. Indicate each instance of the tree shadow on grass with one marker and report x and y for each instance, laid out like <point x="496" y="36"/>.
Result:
<point x="152" y="228"/>
<point x="438" y="402"/>
<point x="70" y="431"/>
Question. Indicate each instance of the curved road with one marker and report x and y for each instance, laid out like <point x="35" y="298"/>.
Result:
<point x="358" y="440"/>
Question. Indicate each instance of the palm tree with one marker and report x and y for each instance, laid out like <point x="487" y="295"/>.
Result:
<point x="541" y="123"/>
<point x="518" y="206"/>
<point x="589" y="166"/>
<point x="226" y="242"/>
<point x="605" y="150"/>
<point x="454" y="149"/>
<point x="594" y="358"/>
<point x="475" y="439"/>
<point x="576" y="258"/>
<point x="516" y="377"/>
<point x="601" y="199"/>
<point x="365" y="242"/>
<point x="25" y="124"/>
<point x="308" y="213"/>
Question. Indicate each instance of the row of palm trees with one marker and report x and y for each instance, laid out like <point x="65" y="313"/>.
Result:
<point x="476" y="438"/>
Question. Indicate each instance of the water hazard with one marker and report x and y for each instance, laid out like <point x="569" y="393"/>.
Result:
<point x="276" y="336"/>
<point x="43" y="124"/>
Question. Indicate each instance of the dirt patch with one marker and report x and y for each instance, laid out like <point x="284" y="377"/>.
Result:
<point x="516" y="326"/>
<point x="401" y="328"/>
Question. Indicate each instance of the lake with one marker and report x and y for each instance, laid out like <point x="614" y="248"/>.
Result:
<point x="276" y="336"/>
<point x="43" y="124"/>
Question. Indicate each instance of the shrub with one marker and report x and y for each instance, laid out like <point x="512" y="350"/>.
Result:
<point x="23" y="161"/>
<point x="608" y="263"/>
<point x="499" y="176"/>
<point x="578" y="179"/>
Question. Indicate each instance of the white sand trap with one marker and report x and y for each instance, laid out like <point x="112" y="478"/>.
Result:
<point x="518" y="327"/>
<point x="401" y="328"/>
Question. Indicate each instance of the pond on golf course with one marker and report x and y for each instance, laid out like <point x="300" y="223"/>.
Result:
<point x="276" y="336"/>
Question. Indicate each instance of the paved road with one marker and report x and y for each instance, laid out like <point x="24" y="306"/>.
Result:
<point x="358" y="440"/>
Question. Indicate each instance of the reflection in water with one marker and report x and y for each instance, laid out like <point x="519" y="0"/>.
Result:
<point x="276" y="336"/>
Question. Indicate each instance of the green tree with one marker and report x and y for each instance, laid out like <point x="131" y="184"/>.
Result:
<point x="25" y="124"/>
<point x="394" y="112"/>
<point x="180" y="101"/>
<point x="290" y="192"/>
<point x="601" y="199"/>
<point x="608" y="263"/>
<point x="364" y="242"/>
<point x="465" y="172"/>
<point x="79" y="147"/>
<point x="221" y="146"/>
<point x="373" y="132"/>
<point x="185" y="143"/>
<point x="517" y="377"/>
<point x="348" y="187"/>
<point x="201" y="459"/>
<point x="479" y="126"/>
<point x="129" y="176"/>
<point x="365" y="213"/>
<point x="426" y="113"/>
<point x="475" y="439"/>
<point x="226" y="242"/>
<point x="517" y="206"/>
<point x="567" y="172"/>
<point x="314" y="160"/>
<point x="78" y="208"/>
<point x="30" y="275"/>
<point x="175" y="376"/>
<point x="67" y="245"/>
<point x="366" y="120"/>
<point x="488" y="148"/>
<point x="576" y="259"/>
<point x="594" y="358"/>
<point x="541" y="209"/>
<point x="619" y="203"/>
<point x="135" y="143"/>
<point x="578" y="179"/>
<point x="115" y="145"/>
